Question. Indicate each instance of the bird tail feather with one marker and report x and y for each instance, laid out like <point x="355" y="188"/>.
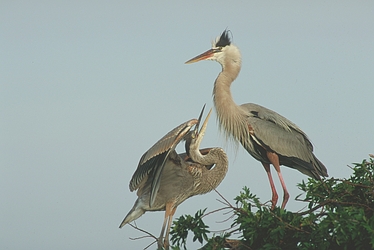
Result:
<point x="132" y="215"/>
<point x="320" y="167"/>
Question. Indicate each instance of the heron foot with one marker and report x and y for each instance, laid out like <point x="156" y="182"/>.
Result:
<point x="163" y="244"/>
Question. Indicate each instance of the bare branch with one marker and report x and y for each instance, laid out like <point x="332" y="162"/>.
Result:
<point x="148" y="235"/>
<point x="227" y="202"/>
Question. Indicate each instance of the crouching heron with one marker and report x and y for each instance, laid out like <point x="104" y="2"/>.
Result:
<point x="164" y="179"/>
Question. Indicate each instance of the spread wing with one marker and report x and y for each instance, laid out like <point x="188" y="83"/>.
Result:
<point x="152" y="162"/>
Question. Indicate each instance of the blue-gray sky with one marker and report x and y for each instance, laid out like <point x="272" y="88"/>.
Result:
<point x="86" y="87"/>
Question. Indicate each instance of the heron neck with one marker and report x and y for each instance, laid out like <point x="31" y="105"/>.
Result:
<point x="222" y="96"/>
<point x="218" y="157"/>
<point x="212" y="177"/>
<point x="230" y="116"/>
<point x="231" y="65"/>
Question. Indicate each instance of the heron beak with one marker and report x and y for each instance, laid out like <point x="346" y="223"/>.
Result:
<point x="206" y="55"/>
<point x="196" y="130"/>
<point x="203" y="128"/>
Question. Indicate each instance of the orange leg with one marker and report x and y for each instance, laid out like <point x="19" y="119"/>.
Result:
<point x="168" y="212"/>
<point x="274" y="197"/>
<point x="166" y="240"/>
<point x="274" y="159"/>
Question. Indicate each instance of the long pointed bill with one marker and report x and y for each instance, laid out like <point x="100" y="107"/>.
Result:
<point x="202" y="130"/>
<point x="206" y="55"/>
<point x="196" y="130"/>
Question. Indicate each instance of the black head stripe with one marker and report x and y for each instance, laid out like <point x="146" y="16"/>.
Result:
<point x="224" y="40"/>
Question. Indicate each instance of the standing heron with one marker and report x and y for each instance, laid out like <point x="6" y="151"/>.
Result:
<point x="267" y="136"/>
<point x="164" y="179"/>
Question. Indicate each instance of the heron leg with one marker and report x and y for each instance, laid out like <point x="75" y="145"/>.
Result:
<point x="167" y="216"/>
<point x="169" y="212"/>
<point x="274" y="159"/>
<point x="166" y="240"/>
<point x="274" y="197"/>
<point x="286" y="195"/>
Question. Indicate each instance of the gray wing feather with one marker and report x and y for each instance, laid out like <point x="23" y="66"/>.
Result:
<point x="272" y="116"/>
<point x="170" y="140"/>
<point x="267" y="123"/>
<point x="153" y="161"/>
<point x="278" y="134"/>
<point x="288" y="143"/>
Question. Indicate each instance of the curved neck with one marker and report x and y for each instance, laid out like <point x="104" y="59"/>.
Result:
<point x="210" y="178"/>
<point x="231" y="117"/>
<point x="214" y="156"/>
<point x="231" y="65"/>
<point x="222" y="97"/>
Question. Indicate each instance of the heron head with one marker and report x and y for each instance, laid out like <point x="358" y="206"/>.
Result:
<point x="219" y="46"/>
<point x="194" y="137"/>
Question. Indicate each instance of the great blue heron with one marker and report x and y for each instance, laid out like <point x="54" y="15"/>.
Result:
<point x="165" y="179"/>
<point x="267" y="136"/>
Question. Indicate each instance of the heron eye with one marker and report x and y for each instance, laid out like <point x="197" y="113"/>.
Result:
<point x="218" y="49"/>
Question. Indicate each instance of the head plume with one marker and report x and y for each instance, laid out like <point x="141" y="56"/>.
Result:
<point x="223" y="40"/>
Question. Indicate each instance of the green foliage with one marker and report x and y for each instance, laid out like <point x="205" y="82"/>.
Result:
<point x="340" y="215"/>
<point x="185" y="223"/>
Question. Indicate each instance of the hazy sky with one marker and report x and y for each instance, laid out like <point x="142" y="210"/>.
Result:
<point x="86" y="87"/>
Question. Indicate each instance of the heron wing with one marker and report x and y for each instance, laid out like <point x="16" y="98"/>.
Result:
<point x="269" y="115"/>
<point x="276" y="133"/>
<point x="152" y="162"/>
<point x="170" y="140"/>
<point x="276" y="139"/>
